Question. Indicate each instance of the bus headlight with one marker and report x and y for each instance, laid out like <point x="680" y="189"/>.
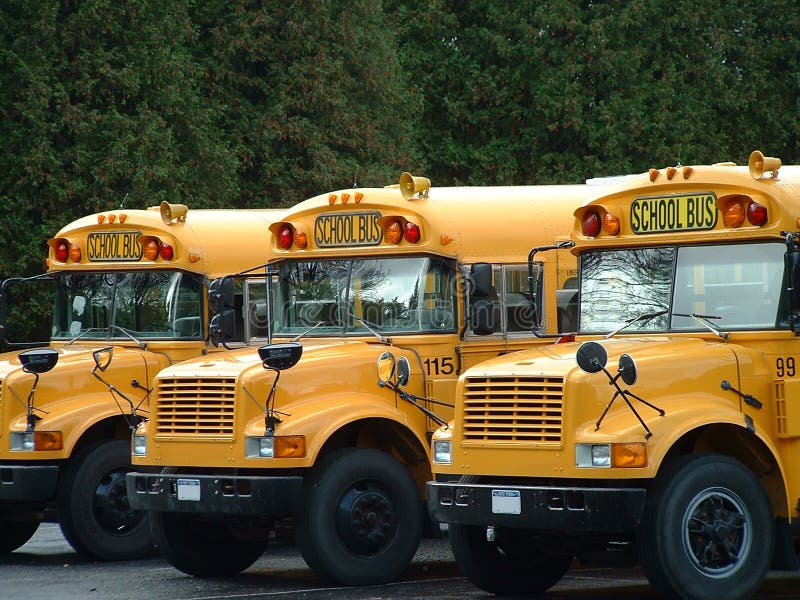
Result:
<point x="139" y="445"/>
<point x="443" y="452"/>
<point x="630" y="455"/>
<point x="42" y="441"/>
<point x="278" y="446"/>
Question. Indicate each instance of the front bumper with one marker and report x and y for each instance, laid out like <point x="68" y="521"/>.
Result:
<point x="568" y="510"/>
<point x="215" y="494"/>
<point x="34" y="483"/>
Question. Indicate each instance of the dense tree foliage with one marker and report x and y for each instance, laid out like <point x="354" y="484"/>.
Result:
<point x="240" y="103"/>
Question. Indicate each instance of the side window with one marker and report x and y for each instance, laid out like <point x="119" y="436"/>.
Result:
<point x="518" y="309"/>
<point x="484" y="307"/>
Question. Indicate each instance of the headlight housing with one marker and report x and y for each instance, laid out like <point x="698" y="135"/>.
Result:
<point x="443" y="452"/>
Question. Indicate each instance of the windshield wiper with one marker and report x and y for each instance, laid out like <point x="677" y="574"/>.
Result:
<point x="704" y="320"/>
<point x="369" y="327"/>
<point x="309" y="330"/>
<point x="643" y="317"/>
<point x="129" y="333"/>
<point x="84" y="332"/>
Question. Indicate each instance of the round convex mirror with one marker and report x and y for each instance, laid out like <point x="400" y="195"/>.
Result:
<point x="591" y="357"/>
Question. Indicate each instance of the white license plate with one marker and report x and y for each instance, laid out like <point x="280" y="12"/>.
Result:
<point x="189" y="489"/>
<point x="506" y="502"/>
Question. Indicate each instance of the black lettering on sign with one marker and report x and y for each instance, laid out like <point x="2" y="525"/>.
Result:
<point x="663" y="214"/>
<point x="348" y="229"/>
<point x="113" y="246"/>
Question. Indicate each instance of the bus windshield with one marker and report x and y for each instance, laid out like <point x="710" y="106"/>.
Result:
<point x="735" y="286"/>
<point x="149" y="304"/>
<point x="340" y="296"/>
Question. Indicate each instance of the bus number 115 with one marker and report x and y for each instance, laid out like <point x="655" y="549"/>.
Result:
<point x="439" y="366"/>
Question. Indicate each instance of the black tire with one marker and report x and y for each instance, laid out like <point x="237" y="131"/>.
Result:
<point x="203" y="547"/>
<point x="707" y="531"/>
<point x="93" y="509"/>
<point x="362" y="518"/>
<point x="15" y="533"/>
<point x="509" y="566"/>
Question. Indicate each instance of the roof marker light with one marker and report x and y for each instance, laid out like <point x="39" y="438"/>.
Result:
<point x="654" y="173"/>
<point x="285" y="237"/>
<point x="671" y="172"/>
<point x="687" y="172"/>
<point x="331" y="199"/>
<point x="590" y="224"/>
<point x="756" y="214"/>
<point x="411" y="232"/>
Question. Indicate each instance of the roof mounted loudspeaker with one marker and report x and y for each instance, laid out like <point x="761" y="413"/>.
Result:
<point x="411" y="186"/>
<point x="173" y="212"/>
<point x="760" y="164"/>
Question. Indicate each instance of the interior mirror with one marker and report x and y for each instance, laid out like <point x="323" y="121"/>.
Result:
<point x="403" y="371"/>
<point x="280" y="356"/>
<point x="102" y="357"/>
<point x="480" y="275"/>
<point x="221" y="294"/>
<point x="386" y="367"/>
<point x="38" y="360"/>
<point x="592" y="357"/>
<point x="627" y="369"/>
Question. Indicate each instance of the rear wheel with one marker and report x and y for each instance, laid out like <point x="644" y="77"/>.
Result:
<point x="707" y="531"/>
<point x="15" y="533"/>
<point x="362" y="519"/>
<point x="203" y="547"/>
<point x="93" y="509"/>
<point x="509" y="566"/>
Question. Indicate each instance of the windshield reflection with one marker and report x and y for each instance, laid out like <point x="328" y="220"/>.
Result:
<point x="151" y="304"/>
<point x="398" y="295"/>
<point x="742" y="284"/>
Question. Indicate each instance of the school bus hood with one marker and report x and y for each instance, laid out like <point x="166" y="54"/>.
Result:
<point x="69" y="357"/>
<point x="241" y="361"/>
<point x="682" y="355"/>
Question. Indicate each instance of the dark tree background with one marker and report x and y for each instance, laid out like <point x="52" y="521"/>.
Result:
<point x="236" y="103"/>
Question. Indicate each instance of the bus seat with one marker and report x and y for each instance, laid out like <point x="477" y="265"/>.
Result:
<point x="187" y="326"/>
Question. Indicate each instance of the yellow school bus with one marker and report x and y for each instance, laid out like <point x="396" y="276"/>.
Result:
<point x="409" y="281"/>
<point x="667" y="432"/>
<point x="130" y="298"/>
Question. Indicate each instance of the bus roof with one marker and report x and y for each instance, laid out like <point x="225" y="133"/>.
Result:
<point x="691" y="203"/>
<point x="208" y="241"/>
<point x="491" y="224"/>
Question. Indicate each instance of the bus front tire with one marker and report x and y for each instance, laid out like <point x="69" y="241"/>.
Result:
<point x="511" y="566"/>
<point x="707" y="531"/>
<point x="203" y="547"/>
<point x="15" y="533"/>
<point x="93" y="509"/>
<point x="362" y="519"/>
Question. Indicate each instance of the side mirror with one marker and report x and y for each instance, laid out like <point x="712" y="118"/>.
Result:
<point x="222" y="327"/>
<point x="38" y="360"/>
<point x="793" y="283"/>
<point x="591" y="357"/>
<point x="482" y="317"/>
<point x="102" y="357"/>
<point x="220" y="294"/>
<point x="280" y="356"/>
<point x="627" y="369"/>
<point x="393" y="372"/>
<point x="386" y="367"/>
<point x="480" y="275"/>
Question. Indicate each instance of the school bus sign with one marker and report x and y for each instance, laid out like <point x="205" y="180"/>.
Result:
<point x="113" y="245"/>
<point x="662" y="214"/>
<point x="348" y="229"/>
